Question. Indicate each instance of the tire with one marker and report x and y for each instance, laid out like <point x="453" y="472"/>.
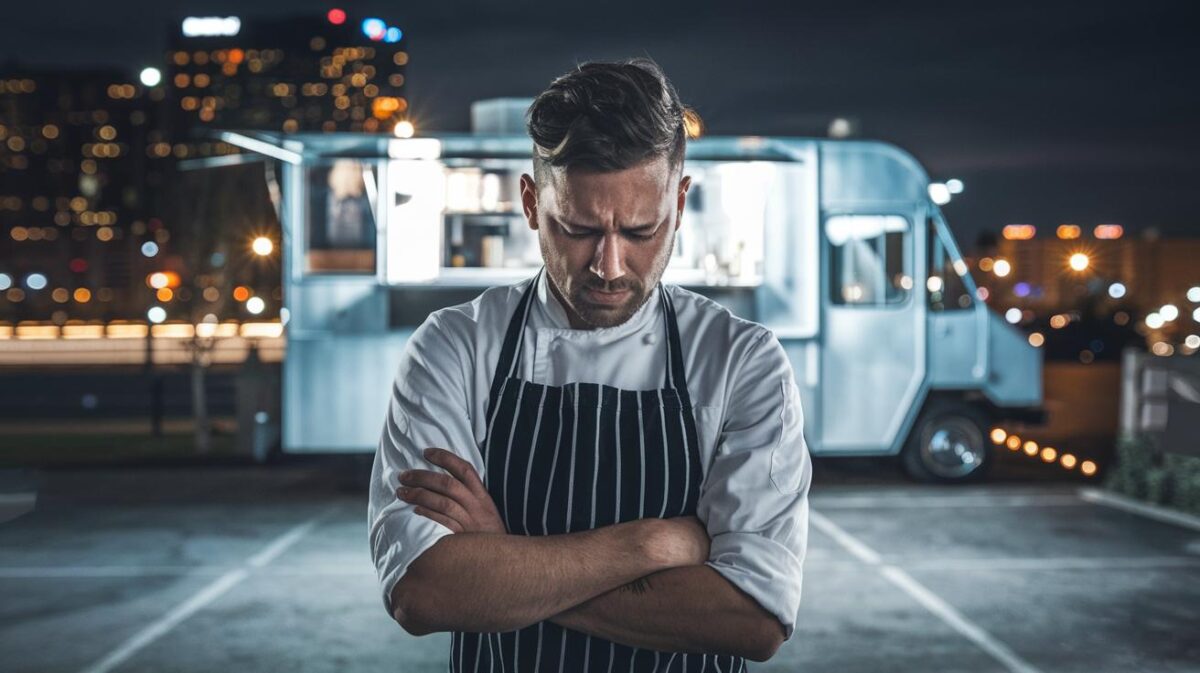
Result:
<point x="948" y="444"/>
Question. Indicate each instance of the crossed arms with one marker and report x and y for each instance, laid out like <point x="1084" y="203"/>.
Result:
<point x="641" y="583"/>
<point x="447" y="562"/>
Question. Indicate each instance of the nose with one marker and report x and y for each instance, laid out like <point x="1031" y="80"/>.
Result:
<point x="606" y="263"/>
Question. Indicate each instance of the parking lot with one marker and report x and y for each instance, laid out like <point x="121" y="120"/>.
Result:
<point x="267" y="569"/>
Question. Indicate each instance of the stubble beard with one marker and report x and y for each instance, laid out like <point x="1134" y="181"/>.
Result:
<point x="599" y="315"/>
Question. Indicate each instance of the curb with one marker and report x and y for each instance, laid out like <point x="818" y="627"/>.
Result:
<point x="1127" y="504"/>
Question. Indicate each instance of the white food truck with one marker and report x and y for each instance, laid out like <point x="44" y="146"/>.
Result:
<point x="833" y="244"/>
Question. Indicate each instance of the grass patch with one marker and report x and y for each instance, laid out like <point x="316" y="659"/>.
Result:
<point x="47" y="449"/>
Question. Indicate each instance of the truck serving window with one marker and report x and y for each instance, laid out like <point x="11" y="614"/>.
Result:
<point x="341" y="218"/>
<point x="867" y="261"/>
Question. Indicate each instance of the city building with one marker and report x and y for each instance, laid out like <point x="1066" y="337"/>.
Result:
<point x="1087" y="292"/>
<point x="80" y="196"/>
<point x="337" y="72"/>
<point x="89" y="159"/>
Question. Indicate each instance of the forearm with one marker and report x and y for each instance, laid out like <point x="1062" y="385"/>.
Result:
<point x="493" y="582"/>
<point x="683" y="609"/>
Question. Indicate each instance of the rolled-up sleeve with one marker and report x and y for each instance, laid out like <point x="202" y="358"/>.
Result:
<point x="429" y="407"/>
<point x="754" y="501"/>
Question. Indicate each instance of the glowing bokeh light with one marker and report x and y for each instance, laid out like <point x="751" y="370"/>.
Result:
<point x="374" y="28"/>
<point x="404" y="129"/>
<point x="35" y="281"/>
<point x="939" y="193"/>
<point x="150" y="76"/>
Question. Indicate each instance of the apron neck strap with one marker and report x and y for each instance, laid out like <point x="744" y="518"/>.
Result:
<point x="676" y="372"/>
<point x="510" y="352"/>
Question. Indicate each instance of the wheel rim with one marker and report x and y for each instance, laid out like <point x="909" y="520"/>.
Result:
<point x="953" y="447"/>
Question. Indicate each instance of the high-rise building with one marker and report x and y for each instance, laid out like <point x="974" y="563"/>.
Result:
<point x="79" y="193"/>
<point x="335" y="72"/>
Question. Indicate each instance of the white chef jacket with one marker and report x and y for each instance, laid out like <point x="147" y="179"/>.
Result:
<point x="754" y="498"/>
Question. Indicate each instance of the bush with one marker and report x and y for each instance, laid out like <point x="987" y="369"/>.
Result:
<point x="1145" y="472"/>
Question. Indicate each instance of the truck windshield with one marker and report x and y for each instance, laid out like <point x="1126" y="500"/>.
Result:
<point x="948" y="283"/>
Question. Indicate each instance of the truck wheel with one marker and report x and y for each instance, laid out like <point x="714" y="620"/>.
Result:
<point x="948" y="444"/>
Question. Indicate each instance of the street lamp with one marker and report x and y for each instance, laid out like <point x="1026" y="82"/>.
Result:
<point x="404" y="129"/>
<point x="1078" y="261"/>
<point x="262" y="246"/>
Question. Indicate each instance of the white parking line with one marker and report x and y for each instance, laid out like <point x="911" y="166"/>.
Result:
<point x="352" y="568"/>
<point x="943" y="610"/>
<point x="1147" y="510"/>
<point x="77" y="572"/>
<point x="208" y="594"/>
<point x="945" y="501"/>
<point x="1050" y="564"/>
<point x="1059" y="563"/>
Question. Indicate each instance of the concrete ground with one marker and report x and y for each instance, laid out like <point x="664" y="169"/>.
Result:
<point x="267" y="569"/>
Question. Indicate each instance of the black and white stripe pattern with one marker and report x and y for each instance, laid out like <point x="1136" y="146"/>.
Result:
<point x="577" y="457"/>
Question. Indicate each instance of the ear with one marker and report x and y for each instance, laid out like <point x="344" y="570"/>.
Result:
<point x="529" y="200"/>
<point x="684" y="185"/>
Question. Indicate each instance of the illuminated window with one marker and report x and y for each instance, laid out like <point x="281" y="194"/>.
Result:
<point x="341" y="217"/>
<point x="868" y="260"/>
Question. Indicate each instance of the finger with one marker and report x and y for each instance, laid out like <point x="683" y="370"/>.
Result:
<point x="462" y="470"/>
<point x="440" y="482"/>
<point x="440" y="518"/>
<point x="439" y="503"/>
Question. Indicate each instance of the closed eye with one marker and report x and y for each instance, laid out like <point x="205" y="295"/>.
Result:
<point x="635" y="234"/>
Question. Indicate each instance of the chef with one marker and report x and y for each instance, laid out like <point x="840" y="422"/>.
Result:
<point x="591" y="470"/>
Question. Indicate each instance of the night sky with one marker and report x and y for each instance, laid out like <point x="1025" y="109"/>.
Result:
<point x="1050" y="112"/>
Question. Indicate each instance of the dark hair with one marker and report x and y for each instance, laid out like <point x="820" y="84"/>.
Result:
<point x="607" y="116"/>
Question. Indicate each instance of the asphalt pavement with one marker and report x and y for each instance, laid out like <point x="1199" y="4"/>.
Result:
<point x="266" y="568"/>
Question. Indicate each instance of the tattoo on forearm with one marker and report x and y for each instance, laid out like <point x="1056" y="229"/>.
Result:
<point x="638" y="586"/>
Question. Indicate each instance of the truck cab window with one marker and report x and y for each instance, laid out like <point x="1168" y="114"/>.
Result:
<point x="947" y="289"/>
<point x="867" y="261"/>
<point x="341" y="218"/>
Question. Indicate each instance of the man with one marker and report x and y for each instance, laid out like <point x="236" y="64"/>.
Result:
<point x="618" y="479"/>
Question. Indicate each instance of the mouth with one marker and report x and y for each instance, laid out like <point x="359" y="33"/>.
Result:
<point x="608" y="298"/>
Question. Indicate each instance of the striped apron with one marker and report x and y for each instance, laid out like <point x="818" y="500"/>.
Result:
<point x="562" y="459"/>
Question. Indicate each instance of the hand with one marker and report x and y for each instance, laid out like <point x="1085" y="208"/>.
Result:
<point x="458" y="500"/>
<point x="687" y="540"/>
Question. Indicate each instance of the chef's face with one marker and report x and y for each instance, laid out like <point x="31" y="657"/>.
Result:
<point x="606" y="236"/>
